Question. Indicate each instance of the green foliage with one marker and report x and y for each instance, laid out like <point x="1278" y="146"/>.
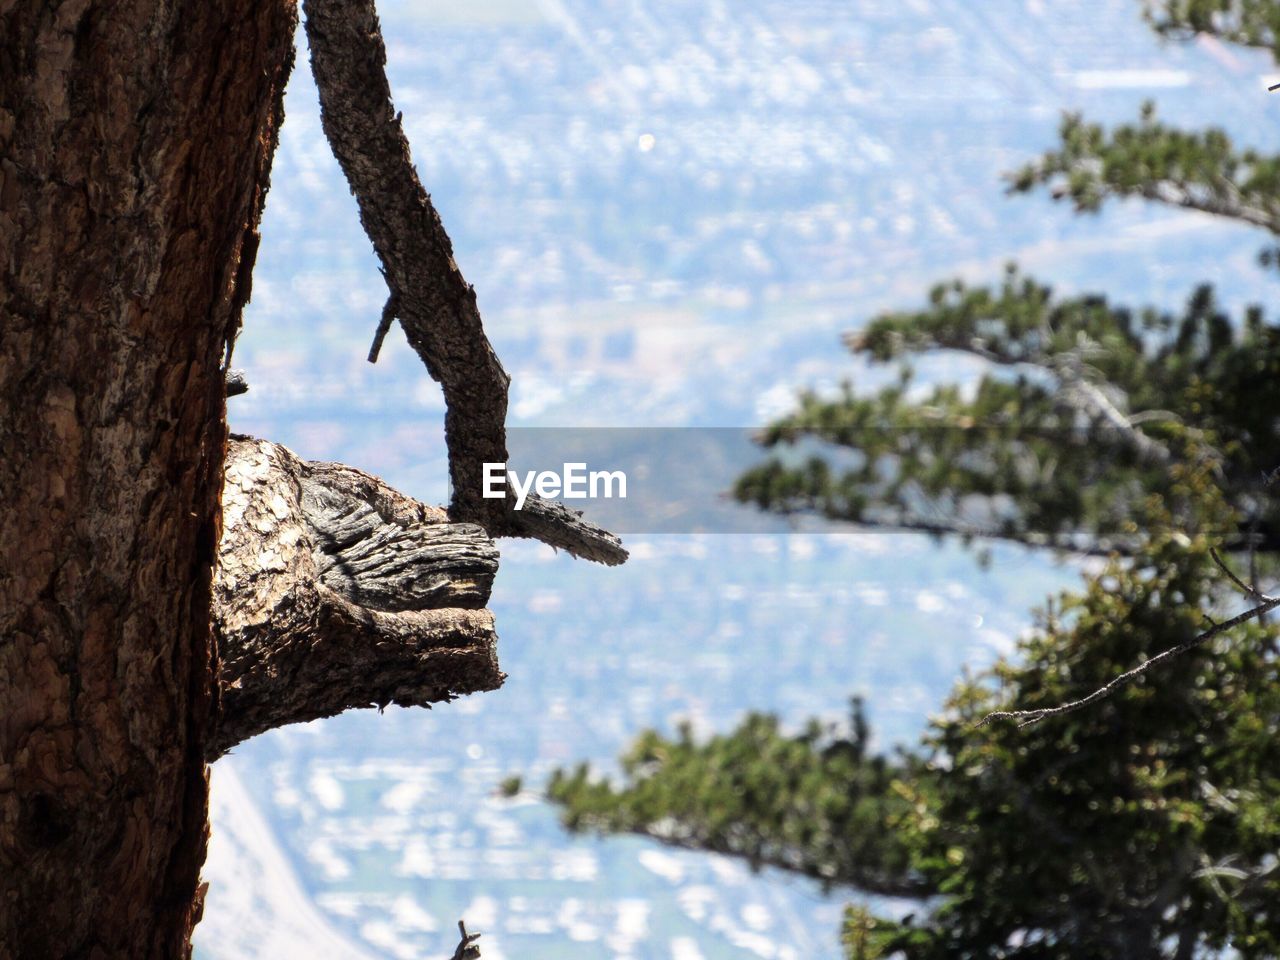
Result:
<point x="1199" y="170"/>
<point x="1250" y="23"/>
<point x="1145" y="826"/>
<point x="1082" y="409"/>
<point x="814" y="803"/>
<point x="1148" y="824"/>
<point x="510" y="786"/>
<point x="867" y="937"/>
<point x="1082" y="404"/>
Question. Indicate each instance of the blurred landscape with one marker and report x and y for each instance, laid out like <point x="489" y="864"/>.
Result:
<point x="670" y="211"/>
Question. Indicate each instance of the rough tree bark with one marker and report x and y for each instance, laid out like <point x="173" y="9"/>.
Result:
<point x="426" y="290"/>
<point x="135" y="148"/>
<point x="334" y="591"/>
<point x="135" y="143"/>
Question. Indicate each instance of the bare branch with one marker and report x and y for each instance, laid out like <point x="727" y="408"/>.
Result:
<point x="1247" y="590"/>
<point x="435" y="305"/>
<point x="1028" y="717"/>
<point x="466" y="949"/>
<point x="552" y="522"/>
<point x="388" y="315"/>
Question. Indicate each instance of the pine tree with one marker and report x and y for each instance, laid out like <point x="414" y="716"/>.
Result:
<point x="1148" y="823"/>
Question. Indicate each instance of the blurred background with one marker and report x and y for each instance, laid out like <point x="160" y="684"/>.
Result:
<point x="670" y="212"/>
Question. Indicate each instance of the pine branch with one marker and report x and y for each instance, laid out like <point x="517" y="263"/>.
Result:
<point x="1089" y="408"/>
<point x="1201" y="171"/>
<point x="1249" y="23"/>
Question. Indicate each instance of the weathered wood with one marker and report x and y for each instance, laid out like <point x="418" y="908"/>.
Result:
<point x="335" y="591"/>
<point x="553" y="523"/>
<point x="385" y="551"/>
<point x="135" y="140"/>
<point x="435" y="305"/>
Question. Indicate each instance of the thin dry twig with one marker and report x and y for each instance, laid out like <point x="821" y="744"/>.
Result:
<point x="1028" y="717"/>
<point x="1245" y="588"/>
<point x="466" y="946"/>
<point x="384" y="325"/>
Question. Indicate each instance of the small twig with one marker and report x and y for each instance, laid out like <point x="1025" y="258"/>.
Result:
<point x="1248" y="591"/>
<point x="388" y="314"/>
<point x="1253" y="562"/>
<point x="1028" y="717"/>
<point x="466" y="949"/>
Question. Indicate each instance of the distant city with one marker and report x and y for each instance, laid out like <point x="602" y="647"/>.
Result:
<point x="670" y="211"/>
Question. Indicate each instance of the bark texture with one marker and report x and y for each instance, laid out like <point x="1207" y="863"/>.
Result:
<point x="335" y="591"/>
<point x="435" y="305"/>
<point x="135" y="143"/>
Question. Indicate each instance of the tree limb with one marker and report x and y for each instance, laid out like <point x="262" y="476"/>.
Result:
<point x="435" y="306"/>
<point x="1075" y="391"/>
<point x="1201" y="171"/>
<point x="334" y="591"/>
<point x="868" y="880"/>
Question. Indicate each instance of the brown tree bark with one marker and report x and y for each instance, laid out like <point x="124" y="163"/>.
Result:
<point x="334" y="591"/>
<point x="135" y="149"/>
<point x="436" y="307"/>
<point x="135" y="143"/>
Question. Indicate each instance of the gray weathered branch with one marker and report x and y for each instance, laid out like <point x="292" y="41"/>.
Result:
<point x="466" y="949"/>
<point x="334" y="591"/>
<point x="552" y="522"/>
<point x="435" y="305"/>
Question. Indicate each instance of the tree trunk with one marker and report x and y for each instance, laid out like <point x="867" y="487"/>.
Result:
<point x="135" y="142"/>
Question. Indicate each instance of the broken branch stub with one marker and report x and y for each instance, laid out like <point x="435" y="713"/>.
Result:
<point x="334" y="591"/>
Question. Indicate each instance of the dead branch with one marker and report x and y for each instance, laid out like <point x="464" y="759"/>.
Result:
<point x="436" y="307"/>
<point x="1249" y="591"/>
<point x="466" y="949"/>
<point x="1027" y="717"/>
<point x="334" y="591"/>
